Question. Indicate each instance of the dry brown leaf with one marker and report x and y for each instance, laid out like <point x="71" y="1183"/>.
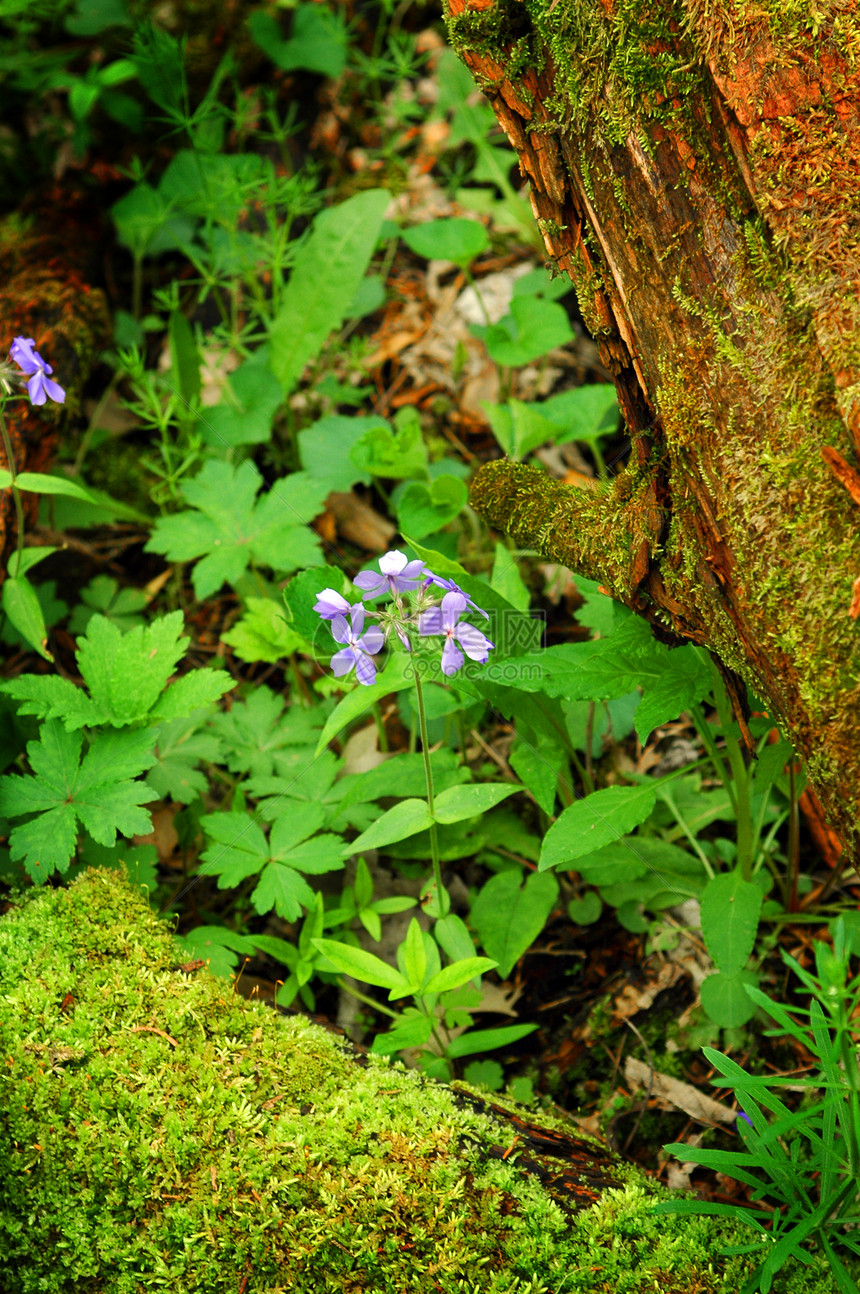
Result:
<point x="671" y="1094"/>
<point x="359" y="523"/>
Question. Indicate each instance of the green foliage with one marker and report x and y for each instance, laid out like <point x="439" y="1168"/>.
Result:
<point x="64" y="790"/>
<point x="228" y="527"/>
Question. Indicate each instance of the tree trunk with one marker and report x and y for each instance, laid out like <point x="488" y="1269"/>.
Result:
<point x="694" y="168"/>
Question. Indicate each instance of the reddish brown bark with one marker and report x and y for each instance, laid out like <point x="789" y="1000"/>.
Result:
<point x="696" y="170"/>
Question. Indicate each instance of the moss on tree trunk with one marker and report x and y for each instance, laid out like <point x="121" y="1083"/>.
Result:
<point x="695" y="168"/>
<point x="161" y="1133"/>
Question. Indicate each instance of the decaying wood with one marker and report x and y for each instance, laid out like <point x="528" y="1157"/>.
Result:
<point x="695" y="168"/>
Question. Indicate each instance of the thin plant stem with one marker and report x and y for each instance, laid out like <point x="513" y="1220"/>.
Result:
<point x="16" y="493"/>
<point x="441" y="896"/>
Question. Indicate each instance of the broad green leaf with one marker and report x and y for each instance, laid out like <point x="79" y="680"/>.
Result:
<point x="39" y="483"/>
<point x="594" y="821"/>
<point x="507" y="581"/>
<point x="404" y="820"/>
<point x="533" y="327"/>
<point x="731" y="908"/>
<point x="587" y="910"/>
<point x="583" y="413"/>
<point x="453" y="937"/>
<point x="21" y="563"/>
<point x="509" y="916"/>
<point x="300" y="596"/>
<point x="410" y="1031"/>
<point x="403" y="776"/>
<point x="725" y="1000"/>
<point x="394" y="678"/>
<point x="398" y="452"/>
<point x="97" y="790"/>
<point x="412" y="955"/>
<point x="331" y="265"/>
<point x="198" y="688"/>
<point x="361" y="965"/>
<point x="538" y="761"/>
<point x="629" y="858"/>
<point x="324" y="449"/>
<point x="262" y="633"/>
<point x="461" y="802"/>
<point x="478" y="1040"/>
<point x="450" y="239"/>
<point x="24" y="610"/>
<point x="518" y="427"/>
<point x="318" y="42"/>
<point x="457" y="974"/>
<point x="424" y="509"/>
<point x="247" y="408"/>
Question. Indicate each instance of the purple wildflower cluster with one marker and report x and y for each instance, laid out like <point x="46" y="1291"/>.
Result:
<point x="40" y="387"/>
<point x="429" y="616"/>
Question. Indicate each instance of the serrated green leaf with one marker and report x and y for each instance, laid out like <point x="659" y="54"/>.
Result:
<point x="259" y="732"/>
<point x="539" y="762"/>
<point x="509" y="916"/>
<point x="283" y="890"/>
<point x="730" y="909"/>
<point x="595" y="821"/>
<point x="217" y="946"/>
<point x="508" y="581"/>
<point x="181" y="746"/>
<point x="198" y="689"/>
<point x="424" y="509"/>
<point x="126" y="673"/>
<point x="263" y="633"/>
<point x="333" y="261"/>
<point x="232" y="526"/>
<point x="627" y="859"/>
<point x="98" y="791"/>
<point x="324" y="449"/>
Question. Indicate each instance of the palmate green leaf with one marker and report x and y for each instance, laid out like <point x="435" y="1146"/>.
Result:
<point x="594" y="821"/>
<point x="126" y="673"/>
<point x="260" y="734"/>
<point x="231" y="526"/>
<point x="262" y="633"/>
<point x="98" y="791"/>
<point x="181" y="746"/>
<point x="332" y="263"/>
<point x="240" y="850"/>
<point x="509" y="916"/>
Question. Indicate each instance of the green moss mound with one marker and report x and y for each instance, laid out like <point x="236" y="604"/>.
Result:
<point x="160" y="1133"/>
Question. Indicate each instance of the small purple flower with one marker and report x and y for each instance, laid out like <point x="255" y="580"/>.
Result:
<point x="452" y="587"/>
<point x="40" y="386"/>
<point x="398" y="576"/>
<point x="742" y="1115"/>
<point x="360" y="647"/>
<point x="330" y="604"/>
<point x="444" y="620"/>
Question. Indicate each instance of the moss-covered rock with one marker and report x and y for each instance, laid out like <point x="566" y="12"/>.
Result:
<point x="161" y="1133"/>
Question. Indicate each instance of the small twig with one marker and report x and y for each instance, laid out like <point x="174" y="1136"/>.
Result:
<point x="150" y="1028"/>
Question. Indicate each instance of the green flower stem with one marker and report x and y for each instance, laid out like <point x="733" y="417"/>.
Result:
<point x="16" y="493"/>
<point x="441" y="896"/>
<point x="363" y="997"/>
